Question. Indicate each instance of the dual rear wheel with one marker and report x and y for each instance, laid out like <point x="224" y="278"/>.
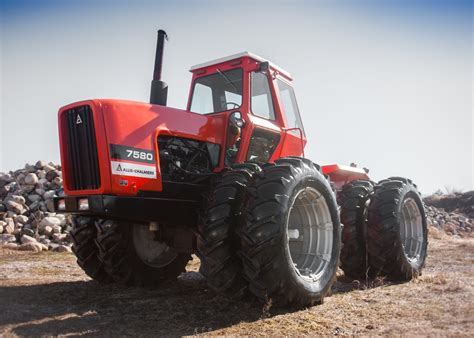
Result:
<point x="385" y="231"/>
<point x="284" y="240"/>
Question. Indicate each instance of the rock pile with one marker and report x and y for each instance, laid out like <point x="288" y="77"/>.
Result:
<point x="461" y="203"/>
<point x="449" y="222"/>
<point x="27" y="220"/>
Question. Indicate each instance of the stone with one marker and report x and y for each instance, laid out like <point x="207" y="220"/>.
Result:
<point x="35" y="205"/>
<point x="58" y="237"/>
<point x="48" y="168"/>
<point x="32" y="246"/>
<point x="51" y="175"/>
<point x="15" y="207"/>
<point x="43" y="183"/>
<point x="62" y="248"/>
<point x="50" y="205"/>
<point x="10" y="214"/>
<point x="40" y="191"/>
<point x="26" y="189"/>
<point x="27" y="239"/>
<point x="20" y="178"/>
<point x="21" y="219"/>
<point x="7" y="238"/>
<point x="31" y="179"/>
<point x="11" y="245"/>
<point x="34" y="198"/>
<point x="30" y="168"/>
<point x="58" y="181"/>
<point x="1" y="229"/>
<point x="41" y="174"/>
<point x="9" y="227"/>
<point x="49" y="194"/>
<point x="27" y="231"/>
<point x="56" y="229"/>
<point x="41" y="164"/>
<point x="47" y="230"/>
<point x="49" y="221"/>
<point x="45" y="241"/>
<point x="18" y="198"/>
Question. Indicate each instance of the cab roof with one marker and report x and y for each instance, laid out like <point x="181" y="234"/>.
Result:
<point x="237" y="56"/>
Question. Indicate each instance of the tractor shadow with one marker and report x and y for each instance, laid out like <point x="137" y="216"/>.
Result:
<point x="185" y="307"/>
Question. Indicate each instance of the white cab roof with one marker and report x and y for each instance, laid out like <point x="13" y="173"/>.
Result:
<point x="239" y="55"/>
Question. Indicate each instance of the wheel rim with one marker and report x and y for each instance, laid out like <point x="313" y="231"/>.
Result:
<point x="309" y="232"/>
<point x="411" y="230"/>
<point x="150" y="251"/>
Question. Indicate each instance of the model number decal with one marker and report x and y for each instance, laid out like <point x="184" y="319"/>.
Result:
<point x="120" y="152"/>
<point x="142" y="155"/>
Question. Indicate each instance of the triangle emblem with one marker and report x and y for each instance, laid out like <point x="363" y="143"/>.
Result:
<point x="119" y="168"/>
<point x="78" y="119"/>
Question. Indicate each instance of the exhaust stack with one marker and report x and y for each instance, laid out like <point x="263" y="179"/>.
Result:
<point x="159" y="89"/>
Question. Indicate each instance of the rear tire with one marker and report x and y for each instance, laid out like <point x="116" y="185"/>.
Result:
<point x="291" y="221"/>
<point x="120" y="251"/>
<point x="217" y="245"/>
<point x="84" y="233"/>
<point x="354" y="199"/>
<point x="397" y="232"/>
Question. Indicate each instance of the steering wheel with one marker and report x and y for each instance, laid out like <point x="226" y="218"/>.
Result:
<point x="235" y="105"/>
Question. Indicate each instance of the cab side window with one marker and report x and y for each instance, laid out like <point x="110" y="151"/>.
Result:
<point x="290" y="108"/>
<point x="261" y="97"/>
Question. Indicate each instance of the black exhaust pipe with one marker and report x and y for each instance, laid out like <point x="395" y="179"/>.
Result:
<point x="159" y="89"/>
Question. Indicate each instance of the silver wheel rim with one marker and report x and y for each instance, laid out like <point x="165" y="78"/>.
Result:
<point x="150" y="251"/>
<point x="411" y="230"/>
<point x="309" y="234"/>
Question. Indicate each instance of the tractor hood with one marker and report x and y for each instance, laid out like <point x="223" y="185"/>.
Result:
<point x="127" y="132"/>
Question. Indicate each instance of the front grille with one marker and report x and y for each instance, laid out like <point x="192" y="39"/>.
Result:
<point x="81" y="149"/>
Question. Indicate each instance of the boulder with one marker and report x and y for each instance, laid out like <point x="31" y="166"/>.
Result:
<point x="62" y="248"/>
<point x="31" y="179"/>
<point x="27" y="239"/>
<point x="15" y="207"/>
<point x="41" y="164"/>
<point x="7" y="238"/>
<point x="49" y="221"/>
<point x="32" y="246"/>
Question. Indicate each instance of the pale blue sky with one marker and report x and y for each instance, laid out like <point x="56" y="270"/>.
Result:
<point x="386" y="86"/>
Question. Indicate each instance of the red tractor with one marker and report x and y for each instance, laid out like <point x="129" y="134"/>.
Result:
<point x="149" y="185"/>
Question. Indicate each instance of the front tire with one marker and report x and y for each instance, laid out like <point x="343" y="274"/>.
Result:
<point x="397" y="233"/>
<point x="291" y="234"/>
<point x="83" y="233"/>
<point x="132" y="257"/>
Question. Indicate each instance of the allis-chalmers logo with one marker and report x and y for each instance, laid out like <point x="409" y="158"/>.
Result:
<point x="78" y="119"/>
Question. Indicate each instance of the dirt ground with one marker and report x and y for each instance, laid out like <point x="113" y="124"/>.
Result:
<point x="48" y="294"/>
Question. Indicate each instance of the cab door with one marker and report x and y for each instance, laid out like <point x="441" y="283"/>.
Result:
<point x="294" y="139"/>
<point x="265" y="135"/>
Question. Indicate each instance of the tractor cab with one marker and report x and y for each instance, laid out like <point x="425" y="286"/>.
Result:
<point x="257" y="99"/>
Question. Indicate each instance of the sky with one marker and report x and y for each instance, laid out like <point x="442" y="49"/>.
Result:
<point x="385" y="84"/>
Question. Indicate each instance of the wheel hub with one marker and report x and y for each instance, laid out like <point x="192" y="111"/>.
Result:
<point x="309" y="231"/>
<point x="151" y="251"/>
<point x="411" y="230"/>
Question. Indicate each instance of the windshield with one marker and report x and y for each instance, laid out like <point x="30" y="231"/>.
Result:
<point x="217" y="92"/>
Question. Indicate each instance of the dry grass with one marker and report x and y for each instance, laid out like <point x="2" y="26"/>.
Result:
<point x="47" y="294"/>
